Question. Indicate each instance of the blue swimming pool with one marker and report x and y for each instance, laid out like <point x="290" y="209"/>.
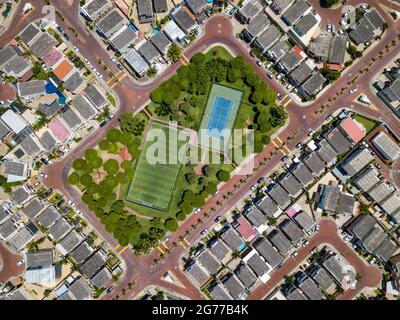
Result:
<point x="242" y="246"/>
<point x="52" y="88"/>
<point x="132" y="27"/>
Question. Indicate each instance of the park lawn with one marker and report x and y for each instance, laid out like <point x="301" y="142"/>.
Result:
<point x="368" y="123"/>
<point x="218" y="52"/>
<point x="143" y="190"/>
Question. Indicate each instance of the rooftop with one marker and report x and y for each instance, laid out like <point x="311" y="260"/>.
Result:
<point x="122" y="39"/>
<point x="268" y="37"/>
<point x="219" y="293"/>
<point x="232" y="239"/>
<point x="295" y="11"/>
<point x="197" y="273"/>
<point x="48" y="217"/>
<point x="47" y="141"/>
<point x="63" y="69"/>
<point x="352" y="129"/>
<point x="102" y="279"/>
<point x="337" y="50"/>
<point x="69" y="242"/>
<point x="389" y="149"/>
<point x="39" y="259"/>
<point x="311" y="290"/>
<point x="219" y="249"/>
<point x="326" y="151"/>
<point x="245" y="229"/>
<point x="136" y="62"/>
<point x="268" y="252"/>
<point x="73" y="82"/>
<point x="255" y="217"/>
<point x="59" y="229"/>
<point x="250" y="9"/>
<point x="290" y="184"/>
<point x="145" y="10"/>
<point x="258" y="24"/>
<point x="95" y="96"/>
<point x="82" y="252"/>
<point x="367" y="179"/>
<point x="303" y="174"/>
<point x="304" y="220"/>
<point x="280" y="241"/>
<point x="337" y="140"/>
<point x="305" y="24"/>
<point x="29" y="33"/>
<point x="70" y="117"/>
<point x="292" y="230"/>
<point x="20" y="195"/>
<point x="42" y="45"/>
<point x="356" y="161"/>
<point x="33" y="208"/>
<point x="245" y="275"/>
<point x="313" y="84"/>
<point x="209" y="262"/>
<point x="80" y="289"/>
<point x="279" y="195"/>
<point x="83" y="107"/>
<point x="269" y="207"/>
<point x="184" y="19"/>
<point x="161" y="41"/>
<point x="111" y="22"/>
<point x="235" y="287"/>
<point x="380" y="192"/>
<point x="149" y="52"/>
<point x="301" y="73"/>
<point x="93" y="265"/>
<point x="31" y="88"/>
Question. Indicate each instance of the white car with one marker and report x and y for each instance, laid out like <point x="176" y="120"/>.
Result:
<point x="204" y="232"/>
<point x="113" y="60"/>
<point x="20" y="262"/>
<point x="98" y="73"/>
<point x="329" y="118"/>
<point x="76" y="48"/>
<point x="86" y="60"/>
<point x="71" y="202"/>
<point x="43" y="175"/>
<point x="259" y="63"/>
<point x="37" y="183"/>
<point x="313" y="251"/>
<point x="253" y="187"/>
<point x="270" y="64"/>
<point x="197" y="210"/>
<point x="294" y="254"/>
<point x="311" y="133"/>
<point x="79" y="212"/>
<point x="353" y="90"/>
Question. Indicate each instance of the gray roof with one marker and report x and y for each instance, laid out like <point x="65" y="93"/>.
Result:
<point x="380" y="192"/>
<point x="295" y="11"/>
<point x="16" y="66"/>
<point x="161" y="41"/>
<point x="303" y="174"/>
<point x="391" y="205"/>
<point x="136" y="62"/>
<point x="257" y="25"/>
<point x="197" y="273"/>
<point x="375" y="18"/>
<point x="30" y="146"/>
<point x="6" y="54"/>
<point x="95" y="96"/>
<point x="292" y="230"/>
<point x="21" y="238"/>
<point x="47" y="141"/>
<point x="346" y="204"/>
<point x="258" y="265"/>
<point x="385" y="145"/>
<point x="80" y="289"/>
<point x="82" y="252"/>
<point x="70" y="241"/>
<point x="301" y="73"/>
<point x="48" y="217"/>
<point x="66" y="296"/>
<point x="323" y="278"/>
<point x="320" y="47"/>
<point x="208" y="261"/>
<point x="194" y="5"/>
<point x="39" y="259"/>
<point x="256" y="218"/>
<point x="73" y="82"/>
<point x="337" y="50"/>
<point x="7" y="228"/>
<point x="235" y="287"/>
<point x="149" y="52"/>
<point x="43" y="45"/>
<point x="250" y="9"/>
<point x="184" y="20"/>
<point x="334" y="264"/>
<point x="20" y="195"/>
<point x="280" y="241"/>
<point x="291" y="185"/>
<point x="145" y="10"/>
<point x="311" y="290"/>
<point x="160" y="6"/>
<point x="17" y="294"/>
<point x="268" y="252"/>
<point x="70" y="117"/>
<point x="313" y="84"/>
<point x="356" y="161"/>
<point x="363" y="32"/>
<point x="337" y="140"/>
<point x="83" y="107"/>
<point x="29" y="33"/>
<point x="111" y="22"/>
<point x="219" y="293"/>
<point x="329" y="197"/>
<point x="268" y="37"/>
<point x="33" y="87"/>
<point x="14" y="168"/>
<point x="93" y="265"/>
<point x="268" y="206"/>
<point x="123" y="39"/>
<point x="59" y="229"/>
<point x="386" y="249"/>
<point x="305" y="24"/>
<point x="326" y="151"/>
<point x="290" y="61"/>
<point x="314" y="163"/>
<point x="33" y="208"/>
<point x="101" y="279"/>
<point x="304" y="220"/>
<point x="49" y="109"/>
<point x="95" y="6"/>
<point x="245" y="275"/>
<point x="362" y="225"/>
<point x="3" y="213"/>
<point x="279" y="5"/>
<point x="232" y="239"/>
<point x="219" y="249"/>
<point x="279" y="49"/>
<point x="4" y="130"/>
<point x="296" y="294"/>
<point x="279" y="195"/>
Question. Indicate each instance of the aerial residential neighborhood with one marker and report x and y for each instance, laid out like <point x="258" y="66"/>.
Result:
<point x="199" y="150"/>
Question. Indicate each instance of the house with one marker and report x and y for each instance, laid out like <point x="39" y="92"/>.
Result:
<point x="52" y="57"/>
<point x="292" y="230"/>
<point x="33" y="208"/>
<point x="82" y="252"/>
<point x="295" y="12"/>
<point x="258" y="265"/>
<point x="278" y="50"/>
<point x="219" y="249"/>
<point x="338" y="141"/>
<point x="15" y="170"/>
<point x="42" y="45"/>
<point x="84" y="107"/>
<point x="160" y="6"/>
<point x="295" y="294"/>
<point x="269" y="207"/>
<point x="93" y="9"/>
<point x="174" y="32"/>
<point x="59" y="229"/>
<point x="267" y="251"/>
<point x="302" y="174"/>
<point x="184" y="19"/>
<point x="145" y="10"/>
<point x="234" y="286"/>
<point x="278" y="6"/>
<point x="7" y="229"/>
<point x="49" y="110"/>
<point x="380" y="192"/>
<point x="70" y="118"/>
<point x="249" y="10"/>
<point x="69" y="242"/>
<point x="267" y="38"/>
<point x="48" y="217"/>
<point x="197" y="273"/>
<point x="232" y="239"/>
<point x="96" y="97"/>
<point x="329" y="197"/>
<point x="305" y="221"/>
<point x="309" y="288"/>
<point x="245" y="229"/>
<point x="102" y="279"/>
<point x="337" y="49"/>
<point x="386" y="146"/>
<point x="280" y="242"/>
<point x="279" y="195"/>
<point x="291" y="60"/>
<point x="23" y="236"/>
<point x="301" y="73"/>
<point x="257" y="25"/>
<point x="245" y="275"/>
<point x="291" y="185"/>
<point x="149" y="52"/>
<point x="196" y="6"/>
<point x="63" y="69"/>
<point x="31" y="89"/>
<point x="219" y="293"/>
<point x="352" y="130"/>
<point x="335" y="265"/>
<point x="161" y="42"/>
<point x="356" y="161"/>
<point x="320" y="48"/>
<point x="346" y="204"/>
<point x="3" y="214"/>
<point x="314" y="163"/>
<point x="305" y="25"/>
<point x="312" y="85"/>
<point x="41" y="276"/>
<point x="73" y="82"/>
<point x="123" y="39"/>
<point x="47" y="141"/>
<point x="17" y="67"/>
<point x="30" y="33"/>
<point x="112" y="22"/>
<point x="80" y="289"/>
<point x="39" y="259"/>
<point x="91" y="266"/>
<point x="208" y="262"/>
<point x="136" y="62"/>
<point x="257" y="219"/>
<point x="368" y="24"/>
<point x="4" y="130"/>
<point x="367" y="179"/>
<point x="28" y="144"/>
<point x="21" y="195"/>
<point x="7" y="53"/>
<point x="392" y="207"/>
<point x="326" y="152"/>
<point x="323" y="278"/>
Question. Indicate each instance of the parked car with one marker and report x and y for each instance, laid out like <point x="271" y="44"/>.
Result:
<point x="270" y="75"/>
<point x="259" y="63"/>
<point x="253" y="187"/>
<point x="279" y="96"/>
<point x="285" y="158"/>
<point x="20" y="262"/>
<point x="260" y="180"/>
<point x="218" y="219"/>
<point x="197" y="210"/>
<point x="294" y="254"/>
<point x="204" y="232"/>
<point x="329" y="118"/>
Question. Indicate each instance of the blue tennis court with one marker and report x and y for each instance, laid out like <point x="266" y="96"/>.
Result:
<point x="220" y="114"/>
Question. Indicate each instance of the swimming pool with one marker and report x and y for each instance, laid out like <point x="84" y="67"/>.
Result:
<point x="242" y="246"/>
<point x="154" y="31"/>
<point x="51" y="88"/>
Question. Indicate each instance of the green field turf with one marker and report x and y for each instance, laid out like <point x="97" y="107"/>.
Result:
<point x="152" y="184"/>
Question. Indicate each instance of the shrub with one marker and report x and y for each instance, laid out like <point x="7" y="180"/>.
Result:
<point x="223" y="175"/>
<point x="180" y="216"/>
<point x="171" y="225"/>
<point x="126" y="164"/>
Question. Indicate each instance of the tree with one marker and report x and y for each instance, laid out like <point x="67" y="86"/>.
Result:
<point x="90" y="154"/>
<point x="330" y="75"/>
<point x="103" y="144"/>
<point x="180" y="216"/>
<point x="171" y="225"/>
<point x="234" y="75"/>
<point x="278" y="116"/>
<point x="86" y="179"/>
<point x="223" y="175"/>
<point x="329" y="3"/>
<point x="191" y="177"/>
<point x="114" y="135"/>
<point x="125" y="138"/>
<point x="211" y="188"/>
<point x="132" y="124"/>
<point x="174" y="52"/>
<point x="111" y="166"/>
<point x="264" y="121"/>
<point x="198" y="58"/>
<point x="73" y="178"/>
<point x="79" y="164"/>
<point x="126" y="164"/>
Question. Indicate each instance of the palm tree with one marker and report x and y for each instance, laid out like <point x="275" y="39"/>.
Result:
<point x="174" y="52"/>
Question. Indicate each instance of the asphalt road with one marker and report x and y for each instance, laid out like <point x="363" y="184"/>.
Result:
<point x="141" y="271"/>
